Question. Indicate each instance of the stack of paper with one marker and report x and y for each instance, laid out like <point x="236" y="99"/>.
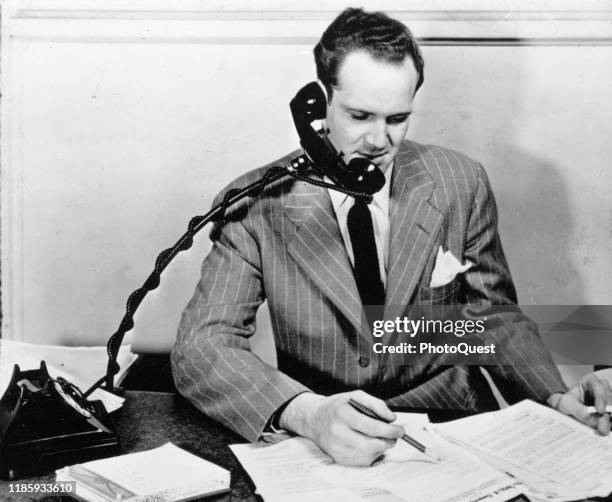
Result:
<point x="297" y="470"/>
<point x="558" y="457"/>
<point x="166" y="473"/>
<point x="526" y="450"/>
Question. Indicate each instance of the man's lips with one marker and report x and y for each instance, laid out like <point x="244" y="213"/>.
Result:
<point x="372" y="157"/>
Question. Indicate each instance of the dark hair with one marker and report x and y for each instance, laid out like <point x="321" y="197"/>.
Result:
<point x="383" y="38"/>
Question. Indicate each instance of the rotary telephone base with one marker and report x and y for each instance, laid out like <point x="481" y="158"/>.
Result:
<point x="45" y="423"/>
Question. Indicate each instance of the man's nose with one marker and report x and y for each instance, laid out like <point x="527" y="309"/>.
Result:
<point x="377" y="135"/>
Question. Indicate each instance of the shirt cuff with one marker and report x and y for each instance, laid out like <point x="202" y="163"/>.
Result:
<point x="273" y="424"/>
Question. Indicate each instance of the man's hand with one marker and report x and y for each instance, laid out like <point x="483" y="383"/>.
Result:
<point x="346" y="435"/>
<point x="597" y="386"/>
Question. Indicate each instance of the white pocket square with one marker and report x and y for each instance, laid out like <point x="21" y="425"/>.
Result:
<point x="446" y="268"/>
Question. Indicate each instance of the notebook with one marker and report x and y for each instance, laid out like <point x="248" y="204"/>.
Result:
<point x="167" y="473"/>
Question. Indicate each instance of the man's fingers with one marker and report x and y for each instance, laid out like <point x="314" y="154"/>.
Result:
<point x="373" y="428"/>
<point x="600" y="393"/>
<point x="377" y="446"/>
<point x="368" y="425"/>
<point x="603" y="424"/>
<point x="569" y="405"/>
<point x="353" y="448"/>
<point x="369" y="447"/>
<point x="374" y="404"/>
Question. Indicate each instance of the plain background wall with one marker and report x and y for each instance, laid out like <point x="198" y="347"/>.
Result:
<point x="121" y="120"/>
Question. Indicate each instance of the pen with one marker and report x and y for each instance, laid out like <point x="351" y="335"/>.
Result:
<point x="411" y="441"/>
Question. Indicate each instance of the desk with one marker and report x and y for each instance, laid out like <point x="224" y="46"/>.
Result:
<point x="151" y="419"/>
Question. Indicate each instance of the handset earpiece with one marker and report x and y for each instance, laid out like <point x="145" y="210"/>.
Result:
<point x="308" y="106"/>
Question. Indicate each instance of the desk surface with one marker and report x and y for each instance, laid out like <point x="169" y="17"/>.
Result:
<point x="148" y="420"/>
<point x="151" y="419"/>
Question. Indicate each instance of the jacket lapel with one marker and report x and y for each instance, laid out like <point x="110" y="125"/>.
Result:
<point x="414" y="224"/>
<point x="318" y="248"/>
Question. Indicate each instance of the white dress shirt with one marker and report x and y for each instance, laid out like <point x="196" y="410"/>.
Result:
<point x="379" y="209"/>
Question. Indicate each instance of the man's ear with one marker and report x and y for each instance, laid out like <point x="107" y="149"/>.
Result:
<point x="324" y="89"/>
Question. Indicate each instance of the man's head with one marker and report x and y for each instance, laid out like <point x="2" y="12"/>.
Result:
<point x="371" y="68"/>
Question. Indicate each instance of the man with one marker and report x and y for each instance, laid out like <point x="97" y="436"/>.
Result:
<point x="292" y="246"/>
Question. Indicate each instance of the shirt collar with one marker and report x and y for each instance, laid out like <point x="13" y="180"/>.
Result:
<point x="379" y="199"/>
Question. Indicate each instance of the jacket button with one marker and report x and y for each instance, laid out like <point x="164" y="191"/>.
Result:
<point x="364" y="361"/>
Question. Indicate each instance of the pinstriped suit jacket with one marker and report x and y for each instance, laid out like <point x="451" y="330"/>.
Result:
<point x="285" y="246"/>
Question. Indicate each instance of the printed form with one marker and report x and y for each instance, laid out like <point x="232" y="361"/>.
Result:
<point x="548" y="450"/>
<point x="297" y="470"/>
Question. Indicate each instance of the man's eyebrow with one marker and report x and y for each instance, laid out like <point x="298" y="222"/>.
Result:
<point x="359" y="110"/>
<point x="356" y="110"/>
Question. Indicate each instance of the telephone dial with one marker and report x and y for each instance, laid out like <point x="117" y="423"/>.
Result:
<point x="360" y="175"/>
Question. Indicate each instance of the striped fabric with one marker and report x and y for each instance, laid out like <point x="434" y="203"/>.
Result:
<point x="285" y="246"/>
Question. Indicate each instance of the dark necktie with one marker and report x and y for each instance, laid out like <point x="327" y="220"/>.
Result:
<point x="366" y="267"/>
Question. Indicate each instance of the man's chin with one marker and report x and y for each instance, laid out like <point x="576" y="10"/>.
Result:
<point x="384" y="166"/>
<point x="383" y="163"/>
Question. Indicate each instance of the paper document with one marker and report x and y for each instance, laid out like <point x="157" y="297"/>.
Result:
<point x="166" y="473"/>
<point x="296" y="470"/>
<point x="88" y="364"/>
<point x="543" y="445"/>
<point x="81" y="366"/>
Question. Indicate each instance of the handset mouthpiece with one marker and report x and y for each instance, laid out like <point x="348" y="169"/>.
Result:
<point x="368" y="177"/>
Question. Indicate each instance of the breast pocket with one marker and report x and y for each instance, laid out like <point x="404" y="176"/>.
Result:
<point x="443" y="295"/>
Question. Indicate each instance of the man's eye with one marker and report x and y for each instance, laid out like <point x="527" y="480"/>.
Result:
<point x="397" y="119"/>
<point x="359" y="116"/>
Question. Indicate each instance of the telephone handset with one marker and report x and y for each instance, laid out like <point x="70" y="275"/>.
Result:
<point x="360" y="175"/>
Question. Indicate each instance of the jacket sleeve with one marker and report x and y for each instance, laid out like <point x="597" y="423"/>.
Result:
<point x="524" y="368"/>
<point x="212" y="363"/>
